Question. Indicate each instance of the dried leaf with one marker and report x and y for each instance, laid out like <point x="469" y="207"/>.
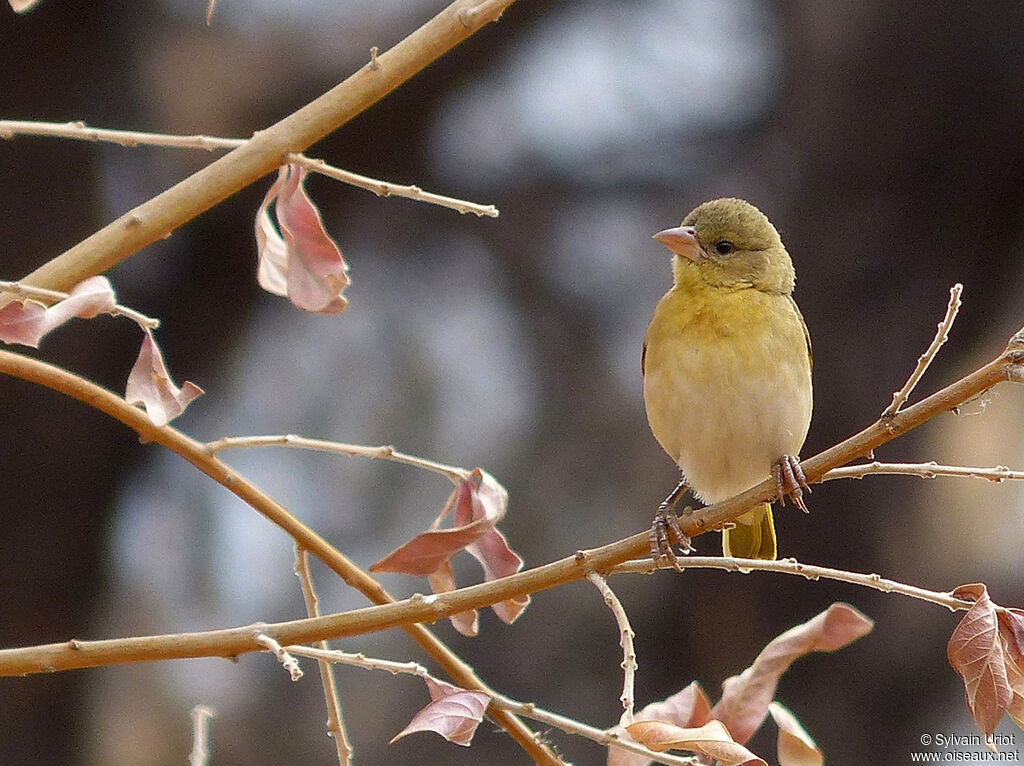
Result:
<point x="745" y="698"/>
<point x="454" y="713"/>
<point x="712" y="739"/>
<point x="23" y="322"/>
<point x="26" y="322"/>
<point x="87" y="299"/>
<point x="442" y="581"/>
<point x="150" y="385"/>
<point x="1011" y="625"/>
<point x="478" y="505"/>
<point x="976" y="653"/>
<point x="796" y="748"/>
<point x="687" y="708"/>
<point x="298" y="258"/>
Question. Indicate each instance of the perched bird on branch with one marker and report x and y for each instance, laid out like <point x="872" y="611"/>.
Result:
<point x="727" y="371"/>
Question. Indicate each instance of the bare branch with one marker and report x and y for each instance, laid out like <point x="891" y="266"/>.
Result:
<point x="335" y="720"/>
<point x="382" y="452"/>
<point x="201" y="715"/>
<point x="131" y="138"/>
<point x="626" y="634"/>
<point x="288" y="662"/>
<point x="525" y="709"/>
<point x="941" y="335"/>
<point x="794" y="567"/>
<point x="930" y="470"/>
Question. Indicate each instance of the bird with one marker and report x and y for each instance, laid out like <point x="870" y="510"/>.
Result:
<point x="727" y="371"/>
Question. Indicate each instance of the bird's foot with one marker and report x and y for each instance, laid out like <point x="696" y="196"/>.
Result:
<point x="790" y="480"/>
<point x="666" y="534"/>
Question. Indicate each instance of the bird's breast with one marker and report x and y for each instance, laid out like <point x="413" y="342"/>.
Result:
<point x="727" y="386"/>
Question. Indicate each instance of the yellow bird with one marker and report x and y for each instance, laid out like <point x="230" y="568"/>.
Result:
<point x="727" y="370"/>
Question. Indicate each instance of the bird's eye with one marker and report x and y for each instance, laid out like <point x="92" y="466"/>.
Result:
<point x="724" y="247"/>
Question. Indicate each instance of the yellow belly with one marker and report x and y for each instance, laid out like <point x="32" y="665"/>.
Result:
<point x="727" y="386"/>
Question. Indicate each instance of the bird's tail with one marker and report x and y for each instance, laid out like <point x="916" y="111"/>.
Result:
<point x="753" y="537"/>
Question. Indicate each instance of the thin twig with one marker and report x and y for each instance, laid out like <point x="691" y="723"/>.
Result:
<point x="382" y="452"/>
<point x="201" y="715"/>
<point x="288" y="662"/>
<point x="525" y="709"/>
<point x="941" y="335"/>
<point x="29" y="292"/>
<point x="605" y="737"/>
<point x="626" y="634"/>
<point x="132" y="138"/>
<point x="931" y="470"/>
<point x="794" y="567"/>
<point x="335" y="720"/>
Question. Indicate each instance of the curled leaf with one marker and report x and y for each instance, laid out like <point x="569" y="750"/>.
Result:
<point x="297" y="258"/>
<point x="150" y="385"/>
<point x="454" y="713"/>
<point x="687" y="708"/>
<point x="23" y="322"/>
<point x="712" y="739"/>
<point x="977" y="652"/>
<point x="477" y="505"/>
<point x="796" y="748"/>
<point x="745" y="698"/>
<point x="26" y="322"/>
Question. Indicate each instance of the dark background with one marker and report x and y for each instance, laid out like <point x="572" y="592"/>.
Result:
<point x="883" y="140"/>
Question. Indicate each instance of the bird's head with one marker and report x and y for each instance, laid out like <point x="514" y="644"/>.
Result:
<point x="729" y="243"/>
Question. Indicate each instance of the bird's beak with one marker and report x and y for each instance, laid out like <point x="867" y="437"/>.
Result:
<point x="682" y="241"/>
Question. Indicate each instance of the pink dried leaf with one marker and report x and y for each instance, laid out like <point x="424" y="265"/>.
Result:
<point x="87" y="299"/>
<point x="150" y="385"/>
<point x="454" y="713"/>
<point x="712" y="739"/>
<point x="688" y="708"/>
<point x="443" y="580"/>
<point x="23" y="322"/>
<point x="745" y="698"/>
<point x="796" y="748"/>
<point x="476" y="505"/>
<point x="975" y="652"/>
<point x="27" y="322"/>
<point x="298" y="258"/>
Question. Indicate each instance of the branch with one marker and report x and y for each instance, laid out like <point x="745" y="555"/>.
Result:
<point x="288" y="662"/>
<point x="626" y="634"/>
<point x="941" y="335"/>
<point x="201" y="715"/>
<point x="335" y="720"/>
<point x="267" y="149"/>
<point x="525" y="709"/>
<point x="794" y="567"/>
<point x="383" y="452"/>
<point x="196" y="453"/>
<point x="931" y="470"/>
<point x="130" y="138"/>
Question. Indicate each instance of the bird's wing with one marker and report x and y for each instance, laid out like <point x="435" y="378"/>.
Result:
<point x="807" y="335"/>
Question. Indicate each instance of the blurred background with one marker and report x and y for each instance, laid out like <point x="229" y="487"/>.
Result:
<point x="883" y="140"/>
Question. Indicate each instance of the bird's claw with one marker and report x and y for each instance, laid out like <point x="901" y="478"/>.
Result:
<point x="666" y="534"/>
<point x="790" y="480"/>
